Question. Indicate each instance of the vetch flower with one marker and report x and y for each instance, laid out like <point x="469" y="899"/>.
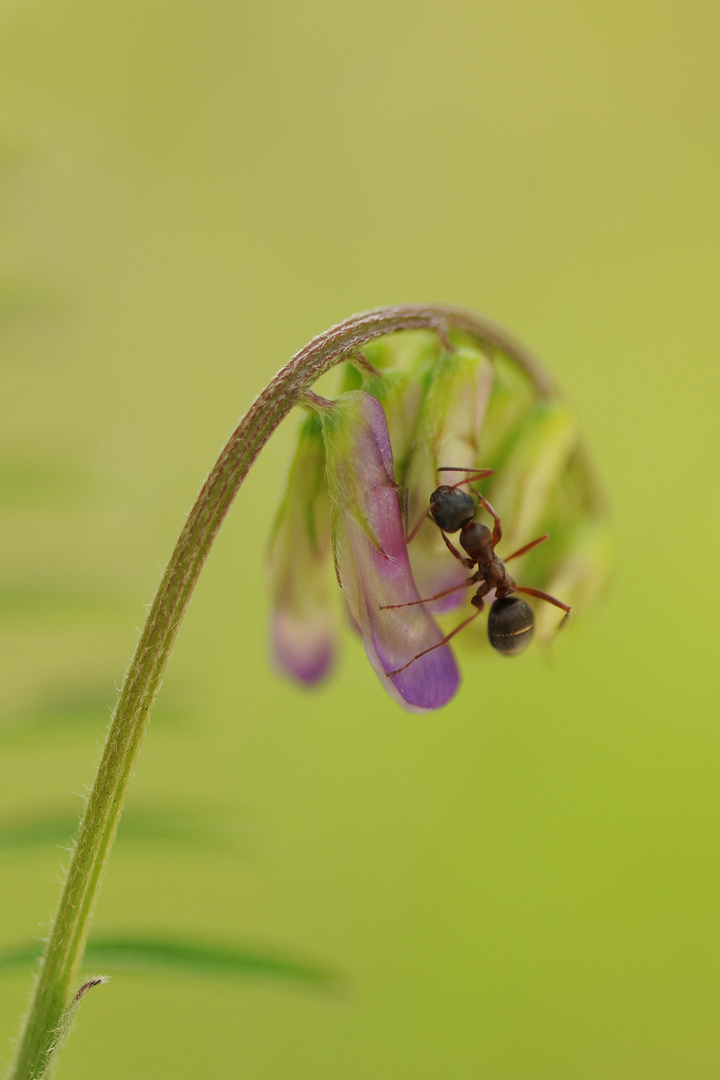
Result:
<point x="371" y="557"/>
<point x="413" y="406"/>
<point x="544" y="482"/>
<point x="303" y="639"/>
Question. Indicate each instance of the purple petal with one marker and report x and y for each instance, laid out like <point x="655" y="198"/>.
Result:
<point x="298" y="565"/>
<point x="372" y="561"/>
<point x="302" y="647"/>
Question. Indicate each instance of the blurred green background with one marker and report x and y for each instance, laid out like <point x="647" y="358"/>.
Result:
<point x="526" y="884"/>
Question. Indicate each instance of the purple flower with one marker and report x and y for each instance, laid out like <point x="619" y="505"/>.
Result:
<point x="302" y="633"/>
<point x="417" y="413"/>
<point x="371" y="558"/>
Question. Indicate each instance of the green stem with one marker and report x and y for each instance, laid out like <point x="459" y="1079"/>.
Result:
<point x="66" y="943"/>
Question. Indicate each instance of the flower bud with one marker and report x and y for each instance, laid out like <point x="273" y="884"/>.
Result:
<point x="534" y="469"/>
<point x="455" y="396"/>
<point x="297" y="563"/>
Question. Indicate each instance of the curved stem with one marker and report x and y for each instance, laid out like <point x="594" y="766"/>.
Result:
<point x="66" y="943"/>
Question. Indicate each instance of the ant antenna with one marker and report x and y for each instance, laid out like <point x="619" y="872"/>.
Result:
<point x="413" y="534"/>
<point x="477" y="474"/>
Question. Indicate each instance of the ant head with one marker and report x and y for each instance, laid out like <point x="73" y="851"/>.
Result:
<point x="510" y="625"/>
<point x="452" y="508"/>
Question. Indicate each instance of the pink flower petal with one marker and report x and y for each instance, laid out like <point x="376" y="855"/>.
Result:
<point x="372" y="562"/>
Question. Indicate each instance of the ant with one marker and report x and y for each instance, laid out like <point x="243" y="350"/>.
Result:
<point x="511" y="622"/>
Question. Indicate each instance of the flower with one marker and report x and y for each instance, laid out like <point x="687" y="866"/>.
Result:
<point x="302" y="634"/>
<point x="416" y="412"/>
<point x="403" y="643"/>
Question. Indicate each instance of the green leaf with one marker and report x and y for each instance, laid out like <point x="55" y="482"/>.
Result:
<point x="64" y="709"/>
<point x="203" y="828"/>
<point x="161" y="955"/>
<point x="58" y="711"/>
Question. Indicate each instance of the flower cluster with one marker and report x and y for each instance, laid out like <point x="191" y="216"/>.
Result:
<point x="360" y="483"/>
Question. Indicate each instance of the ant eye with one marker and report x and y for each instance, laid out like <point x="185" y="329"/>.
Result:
<point x="510" y="625"/>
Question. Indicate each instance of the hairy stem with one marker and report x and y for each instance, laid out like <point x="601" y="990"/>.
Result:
<point x="68" y="935"/>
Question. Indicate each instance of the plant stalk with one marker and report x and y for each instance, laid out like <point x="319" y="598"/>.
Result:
<point x="59" y="970"/>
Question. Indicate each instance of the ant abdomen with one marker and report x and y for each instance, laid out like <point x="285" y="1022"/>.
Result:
<point x="511" y="624"/>
<point x="452" y="508"/>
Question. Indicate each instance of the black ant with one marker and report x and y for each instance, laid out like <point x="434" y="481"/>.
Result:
<point x="511" y="622"/>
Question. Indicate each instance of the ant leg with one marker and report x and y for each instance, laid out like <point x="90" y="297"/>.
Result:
<point x="439" y="643"/>
<point x="550" y="599"/>
<point x="527" y="547"/>
<point x="429" y="599"/>
<point x="497" y="527"/>
<point x="413" y="534"/>
<point x="468" y="563"/>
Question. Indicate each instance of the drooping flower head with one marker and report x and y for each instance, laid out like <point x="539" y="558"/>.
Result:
<point x="367" y="463"/>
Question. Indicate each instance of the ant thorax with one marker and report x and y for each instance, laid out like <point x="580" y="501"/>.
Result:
<point x="476" y="539"/>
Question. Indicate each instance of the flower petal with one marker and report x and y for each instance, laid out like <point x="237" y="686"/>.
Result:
<point x="298" y="564"/>
<point x="303" y="645"/>
<point x="371" y="558"/>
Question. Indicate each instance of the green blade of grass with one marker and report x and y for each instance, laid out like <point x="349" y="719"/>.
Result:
<point x="161" y="955"/>
<point x="202" y="828"/>
<point x="64" y="710"/>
